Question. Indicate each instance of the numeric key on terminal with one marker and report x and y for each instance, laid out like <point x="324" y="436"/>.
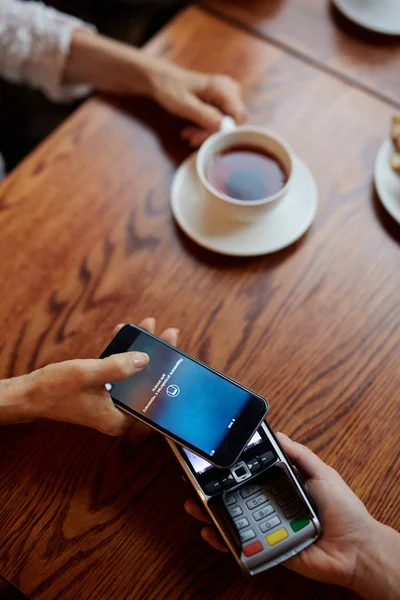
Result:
<point x="270" y="524"/>
<point x="257" y="501"/>
<point x="241" y="523"/>
<point x="230" y="499"/>
<point x="263" y="512"/>
<point x="236" y="511"/>
<point x="249" y="490"/>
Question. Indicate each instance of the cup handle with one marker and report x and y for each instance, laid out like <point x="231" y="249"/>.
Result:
<point x="227" y="124"/>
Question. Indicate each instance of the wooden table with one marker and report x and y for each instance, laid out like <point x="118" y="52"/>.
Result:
<point x="88" y="240"/>
<point x="318" y="33"/>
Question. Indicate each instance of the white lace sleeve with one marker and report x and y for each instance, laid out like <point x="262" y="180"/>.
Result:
<point x="34" y="44"/>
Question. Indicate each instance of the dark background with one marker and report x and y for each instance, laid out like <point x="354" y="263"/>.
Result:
<point x="9" y="592"/>
<point x="26" y="116"/>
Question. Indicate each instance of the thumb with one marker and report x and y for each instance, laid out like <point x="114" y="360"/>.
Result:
<point x="304" y="458"/>
<point x="116" y="367"/>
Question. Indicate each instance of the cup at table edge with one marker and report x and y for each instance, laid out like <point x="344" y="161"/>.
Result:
<point x="231" y="135"/>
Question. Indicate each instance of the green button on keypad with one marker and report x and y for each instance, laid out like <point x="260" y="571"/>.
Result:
<point x="299" y="523"/>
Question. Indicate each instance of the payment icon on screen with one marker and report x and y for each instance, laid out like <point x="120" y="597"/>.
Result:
<point x="173" y="390"/>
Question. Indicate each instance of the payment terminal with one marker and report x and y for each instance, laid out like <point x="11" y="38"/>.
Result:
<point x="259" y="506"/>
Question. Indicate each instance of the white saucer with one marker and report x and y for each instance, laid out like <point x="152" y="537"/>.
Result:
<point x="285" y="224"/>
<point x="382" y="16"/>
<point x="387" y="182"/>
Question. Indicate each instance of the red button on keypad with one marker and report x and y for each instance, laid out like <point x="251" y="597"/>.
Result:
<point x="253" y="548"/>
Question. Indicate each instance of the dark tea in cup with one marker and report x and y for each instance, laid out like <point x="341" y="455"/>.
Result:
<point x="246" y="173"/>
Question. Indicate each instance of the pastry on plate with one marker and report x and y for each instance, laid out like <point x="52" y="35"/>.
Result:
<point x="395" y="162"/>
<point x="395" y="134"/>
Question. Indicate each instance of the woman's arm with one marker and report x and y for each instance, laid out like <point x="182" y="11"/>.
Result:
<point x="378" y="570"/>
<point x="120" y="69"/>
<point x="109" y="65"/>
<point x="74" y="390"/>
<point x="65" y="58"/>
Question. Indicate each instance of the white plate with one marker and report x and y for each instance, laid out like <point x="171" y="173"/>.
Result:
<point x="285" y="224"/>
<point x="387" y="182"/>
<point x="382" y="16"/>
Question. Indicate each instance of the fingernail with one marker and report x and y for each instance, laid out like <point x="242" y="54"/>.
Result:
<point x="140" y="359"/>
<point x="283" y="435"/>
<point x="175" y="330"/>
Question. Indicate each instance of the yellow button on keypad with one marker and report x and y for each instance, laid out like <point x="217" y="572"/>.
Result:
<point x="277" y="536"/>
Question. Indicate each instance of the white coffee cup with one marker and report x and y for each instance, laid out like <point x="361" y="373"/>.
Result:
<point x="231" y="135"/>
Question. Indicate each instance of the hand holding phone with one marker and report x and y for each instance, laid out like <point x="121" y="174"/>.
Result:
<point x="186" y="400"/>
<point x="73" y="390"/>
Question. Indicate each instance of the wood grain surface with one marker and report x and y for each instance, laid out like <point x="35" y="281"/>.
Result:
<point x="318" y="33"/>
<point x="88" y="240"/>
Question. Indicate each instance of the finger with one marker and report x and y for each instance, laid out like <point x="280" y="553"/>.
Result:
<point x="226" y="94"/>
<point x="195" y="136"/>
<point x="149" y="324"/>
<point x="207" y="533"/>
<point x="211" y="537"/>
<point x="190" y="107"/>
<point x="170" y="336"/>
<point x="118" y="328"/>
<point x="194" y="510"/>
<point x="304" y="458"/>
<point x="117" y="367"/>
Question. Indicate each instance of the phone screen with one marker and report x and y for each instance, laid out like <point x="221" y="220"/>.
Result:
<point x="183" y="397"/>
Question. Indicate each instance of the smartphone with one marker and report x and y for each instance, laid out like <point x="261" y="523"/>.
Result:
<point x="186" y="400"/>
<point x="259" y="506"/>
